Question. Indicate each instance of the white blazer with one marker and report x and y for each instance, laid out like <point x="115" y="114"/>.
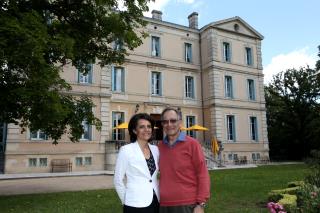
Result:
<point x="137" y="189"/>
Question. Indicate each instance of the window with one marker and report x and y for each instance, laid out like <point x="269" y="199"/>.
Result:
<point x="43" y="162"/>
<point x="86" y="78"/>
<point x="231" y="133"/>
<point x="155" y="46"/>
<point x="156" y="83"/>
<point x="32" y="162"/>
<point x="228" y="87"/>
<point x="117" y="118"/>
<point x="190" y="121"/>
<point x="87" y="161"/>
<point x="38" y="135"/>
<point x="87" y="131"/>
<point x="258" y="156"/>
<point x="79" y="161"/>
<point x="253" y="129"/>
<point x="251" y="90"/>
<point x="226" y="52"/>
<point x="118" y="44"/>
<point x="232" y="157"/>
<point x="189" y="87"/>
<point x="249" y="60"/>
<point x="118" y="79"/>
<point x="255" y="156"/>
<point x="188" y="52"/>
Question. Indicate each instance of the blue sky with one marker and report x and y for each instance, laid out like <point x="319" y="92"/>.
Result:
<point x="291" y="28"/>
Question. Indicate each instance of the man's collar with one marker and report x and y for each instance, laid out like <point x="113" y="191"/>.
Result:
<point x="181" y="138"/>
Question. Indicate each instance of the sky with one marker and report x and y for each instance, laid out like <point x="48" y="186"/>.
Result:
<point x="291" y="28"/>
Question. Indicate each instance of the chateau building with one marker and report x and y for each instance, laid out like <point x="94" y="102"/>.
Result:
<point x="213" y="75"/>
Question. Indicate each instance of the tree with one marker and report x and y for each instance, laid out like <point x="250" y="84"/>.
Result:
<point x="293" y="113"/>
<point x="37" y="38"/>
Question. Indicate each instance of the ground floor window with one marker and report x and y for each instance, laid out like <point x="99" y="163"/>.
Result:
<point x="32" y="162"/>
<point x="83" y="161"/>
<point x="43" y="162"/>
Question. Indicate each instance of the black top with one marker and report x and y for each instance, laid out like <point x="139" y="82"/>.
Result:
<point x="151" y="164"/>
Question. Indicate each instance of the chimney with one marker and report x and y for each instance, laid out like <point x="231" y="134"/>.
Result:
<point x="193" y="20"/>
<point x="156" y="14"/>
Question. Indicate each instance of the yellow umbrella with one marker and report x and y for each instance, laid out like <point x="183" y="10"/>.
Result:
<point x="198" y="128"/>
<point x="122" y="126"/>
<point x="214" y="146"/>
<point x="183" y="128"/>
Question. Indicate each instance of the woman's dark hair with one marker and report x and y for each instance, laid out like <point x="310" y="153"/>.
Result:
<point x="134" y="122"/>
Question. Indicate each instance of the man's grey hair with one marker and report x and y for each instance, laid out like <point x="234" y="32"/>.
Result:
<point x="178" y="112"/>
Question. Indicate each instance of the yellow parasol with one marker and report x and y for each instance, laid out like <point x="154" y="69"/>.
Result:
<point x="197" y="128"/>
<point x="122" y="126"/>
<point x="215" y="146"/>
<point x="183" y="128"/>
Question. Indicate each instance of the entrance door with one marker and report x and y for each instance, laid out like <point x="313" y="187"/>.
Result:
<point x="158" y="132"/>
<point x="3" y="136"/>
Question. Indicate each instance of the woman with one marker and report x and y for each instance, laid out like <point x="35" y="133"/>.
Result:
<point x="138" y="162"/>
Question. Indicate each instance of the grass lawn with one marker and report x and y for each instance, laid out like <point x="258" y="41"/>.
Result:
<point x="236" y="190"/>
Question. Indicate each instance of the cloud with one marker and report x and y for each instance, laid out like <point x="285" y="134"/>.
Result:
<point x="296" y="59"/>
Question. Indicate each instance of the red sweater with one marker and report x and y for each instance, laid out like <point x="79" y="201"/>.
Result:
<point x="184" y="177"/>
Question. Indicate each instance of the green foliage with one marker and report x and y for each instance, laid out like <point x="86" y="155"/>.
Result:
<point x="314" y="162"/>
<point x="289" y="202"/>
<point x="274" y="197"/>
<point x="38" y="37"/>
<point x="295" y="183"/>
<point x="309" y="198"/>
<point x="291" y="190"/>
<point x="293" y="113"/>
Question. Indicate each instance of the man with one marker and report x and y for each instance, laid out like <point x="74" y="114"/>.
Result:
<point x="184" y="178"/>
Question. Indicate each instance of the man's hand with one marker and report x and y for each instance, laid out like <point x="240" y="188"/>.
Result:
<point x="198" y="209"/>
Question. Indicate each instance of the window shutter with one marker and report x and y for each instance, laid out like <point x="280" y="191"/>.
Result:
<point x="122" y="79"/>
<point x="112" y="78"/>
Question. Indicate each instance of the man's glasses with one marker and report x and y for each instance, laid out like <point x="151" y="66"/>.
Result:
<point x="166" y="122"/>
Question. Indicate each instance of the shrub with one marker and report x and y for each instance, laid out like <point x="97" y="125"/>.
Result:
<point x="314" y="162"/>
<point x="308" y="198"/>
<point x="289" y="202"/>
<point x="274" y="197"/>
<point x="295" y="183"/>
<point x="291" y="191"/>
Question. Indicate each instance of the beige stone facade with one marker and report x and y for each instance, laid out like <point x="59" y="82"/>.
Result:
<point x="213" y="75"/>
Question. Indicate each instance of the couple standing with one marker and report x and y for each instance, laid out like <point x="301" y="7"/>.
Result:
<point x="184" y="179"/>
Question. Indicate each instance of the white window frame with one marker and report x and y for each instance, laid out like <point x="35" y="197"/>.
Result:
<point x="188" y="124"/>
<point x="226" y="51"/>
<point x="38" y="136"/>
<point x="189" y="92"/>
<point x="228" y="130"/>
<point x="253" y="127"/>
<point x="251" y="90"/>
<point x="249" y="56"/>
<point x="79" y="161"/>
<point x="118" y="45"/>
<point x="32" y="162"/>
<point x="155" y="46"/>
<point x="43" y="162"/>
<point x="87" y="135"/>
<point x="188" y="52"/>
<point x="86" y="78"/>
<point x="156" y="90"/>
<point x="87" y="161"/>
<point x="117" y="134"/>
<point x="118" y="77"/>
<point x="228" y="85"/>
